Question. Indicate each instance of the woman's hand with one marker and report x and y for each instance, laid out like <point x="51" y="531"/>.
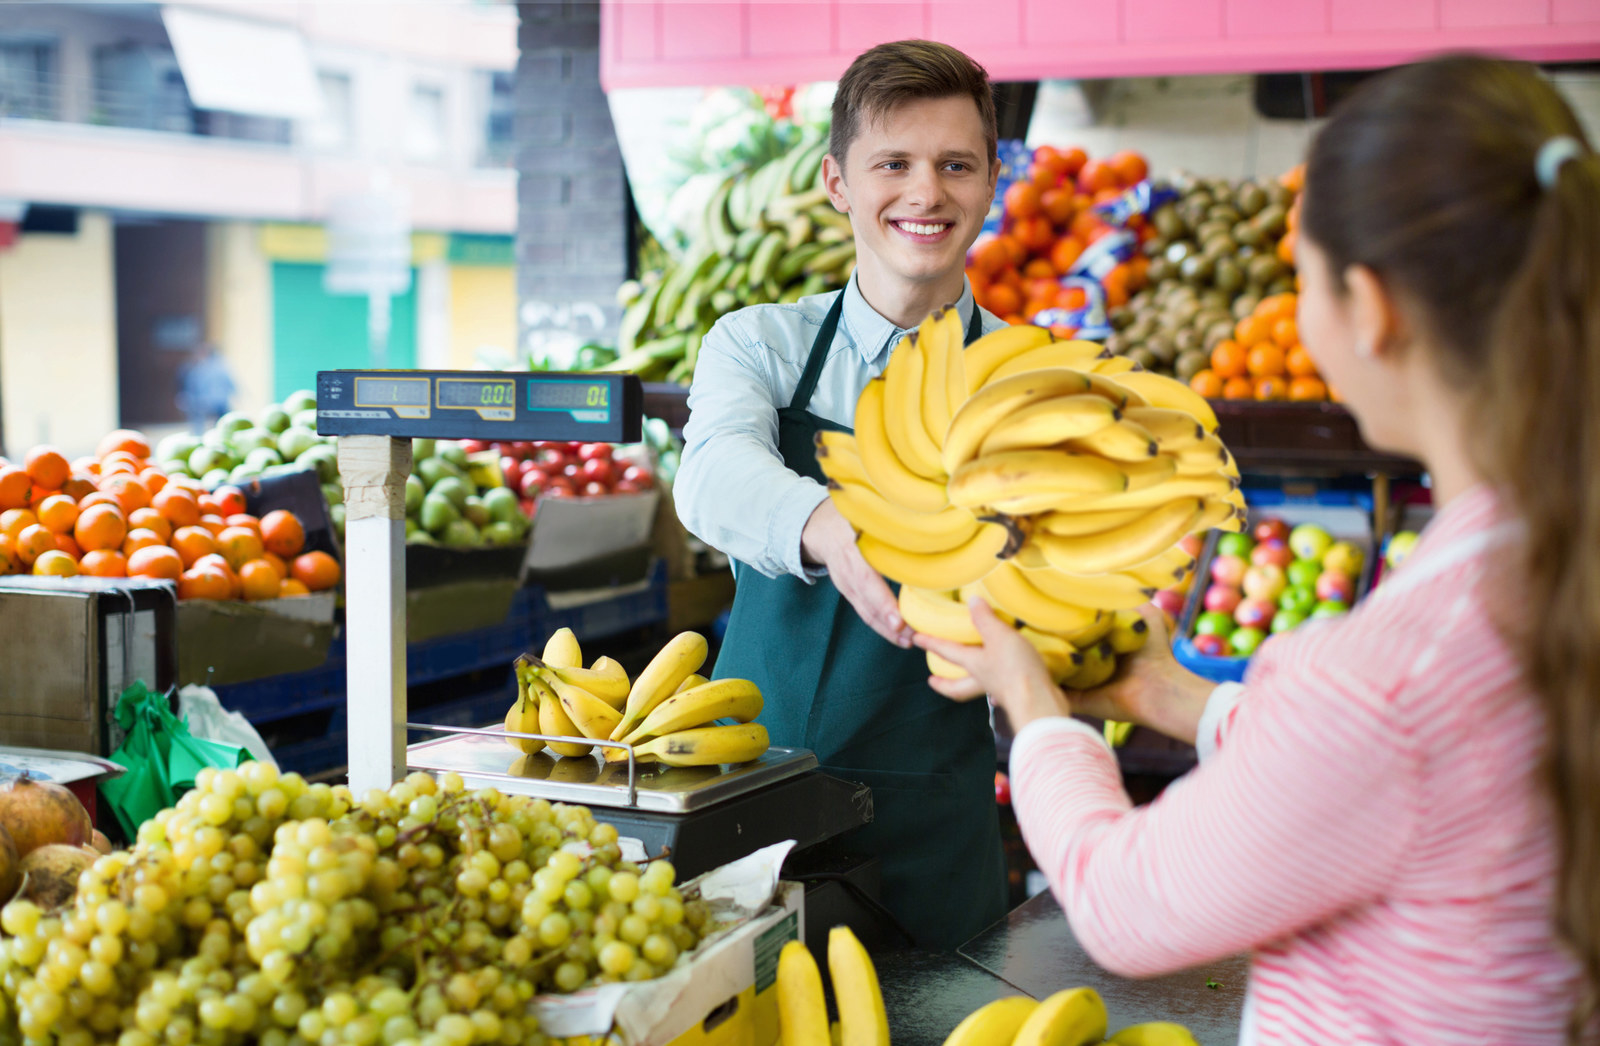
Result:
<point x="1150" y="687"/>
<point x="1005" y="666"/>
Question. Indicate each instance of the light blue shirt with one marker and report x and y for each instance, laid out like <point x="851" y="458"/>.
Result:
<point x="733" y="491"/>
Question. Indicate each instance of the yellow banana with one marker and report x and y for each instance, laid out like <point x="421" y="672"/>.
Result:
<point x="1208" y="455"/>
<point x="952" y="569"/>
<point x="985" y="408"/>
<point x="902" y="410"/>
<point x="1099" y="663"/>
<point x="941" y="614"/>
<point x="938" y="666"/>
<point x="1049" y="422"/>
<point x="802" y="1013"/>
<point x="673" y="663"/>
<point x="594" y="717"/>
<point x="607" y="680"/>
<point x="955" y="385"/>
<point x="1150" y="497"/>
<point x="706" y="746"/>
<point x="1024" y="473"/>
<point x="1007" y="586"/>
<point x="856" y="991"/>
<point x="1124" y="441"/>
<point x="1165" y="570"/>
<point x="891" y="476"/>
<point x="561" y="650"/>
<point x="1155" y="1033"/>
<point x="1073" y="1017"/>
<point x="1152" y="472"/>
<point x="1075" y="355"/>
<point x="1115" y="365"/>
<point x="1124" y="546"/>
<point x="992" y="350"/>
<point x="553" y="719"/>
<point x="523" y="717"/>
<point x="1128" y="631"/>
<point x="1060" y="657"/>
<point x="736" y="699"/>
<point x="838" y="458"/>
<point x="1092" y="635"/>
<point x="693" y="681"/>
<point x="1173" y="430"/>
<point x="1113" y="389"/>
<point x="1071" y="524"/>
<point x="1158" y="390"/>
<point x="871" y="513"/>
<point x="1218" y="513"/>
<point x="994" y="1024"/>
<point x="939" y="339"/>
<point x="1105" y="591"/>
<point x="965" y="593"/>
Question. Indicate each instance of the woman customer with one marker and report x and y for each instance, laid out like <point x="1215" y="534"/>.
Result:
<point x="1398" y="813"/>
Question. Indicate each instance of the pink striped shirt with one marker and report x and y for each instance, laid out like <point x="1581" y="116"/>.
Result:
<point x="1366" y="820"/>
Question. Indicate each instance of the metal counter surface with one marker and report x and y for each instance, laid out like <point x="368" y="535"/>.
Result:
<point x="1033" y="951"/>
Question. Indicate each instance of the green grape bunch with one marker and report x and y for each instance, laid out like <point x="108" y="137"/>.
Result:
<point x="263" y="909"/>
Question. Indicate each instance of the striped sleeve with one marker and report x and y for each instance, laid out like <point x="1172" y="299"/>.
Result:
<point x="1304" y="812"/>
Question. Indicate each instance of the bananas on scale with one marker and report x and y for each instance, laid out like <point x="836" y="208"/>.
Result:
<point x="669" y="712"/>
<point x="1043" y="476"/>
<point x="767" y="235"/>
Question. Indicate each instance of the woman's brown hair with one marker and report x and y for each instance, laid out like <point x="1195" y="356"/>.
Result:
<point x="889" y="74"/>
<point x="1428" y="176"/>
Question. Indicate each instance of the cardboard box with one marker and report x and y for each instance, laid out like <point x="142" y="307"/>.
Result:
<point x="724" y="995"/>
<point x="72" y="646"/>
<point x="569" y="531"/>
<point x="231" y="642"/>
<point x="444" y="610"/>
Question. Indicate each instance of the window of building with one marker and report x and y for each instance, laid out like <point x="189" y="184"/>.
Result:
<point x="425" y="125"/>
<point x="334" y="130"/>
<point x="28" y="78"/>
<point x="497" y="145"/>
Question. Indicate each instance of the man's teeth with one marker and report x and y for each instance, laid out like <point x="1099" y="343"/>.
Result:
<point x="923" y="230"/>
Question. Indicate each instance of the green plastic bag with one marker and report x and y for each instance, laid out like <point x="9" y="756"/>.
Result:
<point x="161" y="757"/>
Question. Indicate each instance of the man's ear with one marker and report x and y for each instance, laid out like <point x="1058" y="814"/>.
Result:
<point x="833" y="181"/>
<point x="994" y="176"/>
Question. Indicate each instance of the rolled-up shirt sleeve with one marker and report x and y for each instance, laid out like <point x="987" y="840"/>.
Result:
<point x="733" y="490"/>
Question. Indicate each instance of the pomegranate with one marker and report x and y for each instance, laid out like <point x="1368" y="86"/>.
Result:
<point x="8" y="865"/>
<point x="38" y="813"/>
<point x="50" y="873"/>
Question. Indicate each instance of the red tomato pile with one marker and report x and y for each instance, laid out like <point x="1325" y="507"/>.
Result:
<point x="562" y="469"/>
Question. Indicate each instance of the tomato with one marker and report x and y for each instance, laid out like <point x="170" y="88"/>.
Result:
<point x="594" y="451"/>
<point x="573" y="471"/>
<point x="626" y="486"/>
<point x="639" y="475"/>
<point x="595" y="489"/>
<point x="558" y="490"/>
<point x="473" y="446"/>
<point x="532" y="482"/>
<point x="599" y="470"/>
<point x="1002" y="788"/>
<point x="511" y="469"/>
<point x="549" y="456"/>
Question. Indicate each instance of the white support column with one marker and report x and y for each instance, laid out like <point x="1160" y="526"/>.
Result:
<point x="374" y="469"/>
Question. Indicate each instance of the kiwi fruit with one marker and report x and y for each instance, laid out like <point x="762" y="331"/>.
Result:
<point x="1229" y="276"/>
<point x="1245" y="304"/>
<point x="1160" y="270"/>
<point x="1224" y="213"/>
<point x="1278" y="194"/>
<point x="1155" y="246"/>
<point x="1246" y="234"/>
<point x="1197" y="269"/>
<point x="1250" y="198"/>
<point x="1273" y="220"/>
<point x="1168" y="223"/>
<point x="1143" y="357"/>
<point x="1177" y="252"/>
<point x="1263" y="269"/>
<point x="1220" y="331"/>
<point x="1188" y="364"/>
<point x="1188" y="340"/>
<point x="1219" y="246"/>
<point x="1282" y="285"/>
<point x="1161" y="347"/>
<point x="1210" y="230"/>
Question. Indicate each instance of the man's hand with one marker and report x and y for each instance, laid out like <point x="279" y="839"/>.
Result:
<point x="829" y="541"/>
<point x="1150" y="687"/>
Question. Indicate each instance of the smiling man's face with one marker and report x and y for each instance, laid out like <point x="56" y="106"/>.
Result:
<point x="917" y="183"/>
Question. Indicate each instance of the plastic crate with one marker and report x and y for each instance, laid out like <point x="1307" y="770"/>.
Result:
<point x="1345" y="515"/>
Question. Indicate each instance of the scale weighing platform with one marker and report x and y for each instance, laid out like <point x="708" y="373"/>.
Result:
<point x="702" y="816"/>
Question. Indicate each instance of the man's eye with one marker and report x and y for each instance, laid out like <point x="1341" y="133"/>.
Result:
<point x="894" y="165"/>
<point x="957" y="165"/>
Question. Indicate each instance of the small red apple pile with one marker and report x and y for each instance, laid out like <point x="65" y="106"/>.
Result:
<point x="1271" y="580"/>
<point x="562" y="469"/>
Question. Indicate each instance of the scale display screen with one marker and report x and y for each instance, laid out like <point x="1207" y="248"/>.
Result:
<point x="473" y="405"/>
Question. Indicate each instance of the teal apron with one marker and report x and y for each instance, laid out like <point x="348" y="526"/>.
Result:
<point x="863" y="705"/>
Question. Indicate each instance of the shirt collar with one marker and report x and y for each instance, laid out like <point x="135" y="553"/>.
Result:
<point x="874" y="336"/>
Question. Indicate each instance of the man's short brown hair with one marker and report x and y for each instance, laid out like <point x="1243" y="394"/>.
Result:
<point x="892" y="73"/>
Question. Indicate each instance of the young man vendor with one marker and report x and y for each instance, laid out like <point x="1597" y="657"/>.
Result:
<point x="912" y="161"/>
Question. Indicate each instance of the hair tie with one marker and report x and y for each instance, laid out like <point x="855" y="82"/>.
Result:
<point x="1552" y="154"/>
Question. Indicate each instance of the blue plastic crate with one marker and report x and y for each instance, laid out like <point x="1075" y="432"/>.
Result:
<point x="1325" y="506"/>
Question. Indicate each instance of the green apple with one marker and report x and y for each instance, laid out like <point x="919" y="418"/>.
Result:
<point x="1329" y="608"/>
<point x="234" y="421"/>
<point x="1213" y="623"/>
<point x="415" y="492"/>
<point x="294" y="441"/>
<point x="1344" y="557"/>
<point x="1303" y="573"/>
<point x="1244" y="641"/>
<point x="303" y="399"/>
<point x="274" y="419"/>
<point x="1235" y="545"/>
<point x="1287" y="620"/>
<point x="1298" y="599"/>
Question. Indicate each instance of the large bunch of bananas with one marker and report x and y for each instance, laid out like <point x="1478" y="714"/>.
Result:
<point x="1075" y="1017"/>
<point x="1049" y="478"/>
<point x="766" y="236"/>
<point x="667" y="713"/>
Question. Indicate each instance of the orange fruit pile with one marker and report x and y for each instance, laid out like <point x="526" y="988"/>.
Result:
<point x="1264" y="359"/>
<point x="115" y="515"/>
<point x="1048" y="222"/>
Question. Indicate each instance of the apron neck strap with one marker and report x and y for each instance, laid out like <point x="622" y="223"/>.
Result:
<point x="824" y="341"/>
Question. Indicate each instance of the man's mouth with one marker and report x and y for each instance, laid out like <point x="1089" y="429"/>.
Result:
<point x="922" y="228"/>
